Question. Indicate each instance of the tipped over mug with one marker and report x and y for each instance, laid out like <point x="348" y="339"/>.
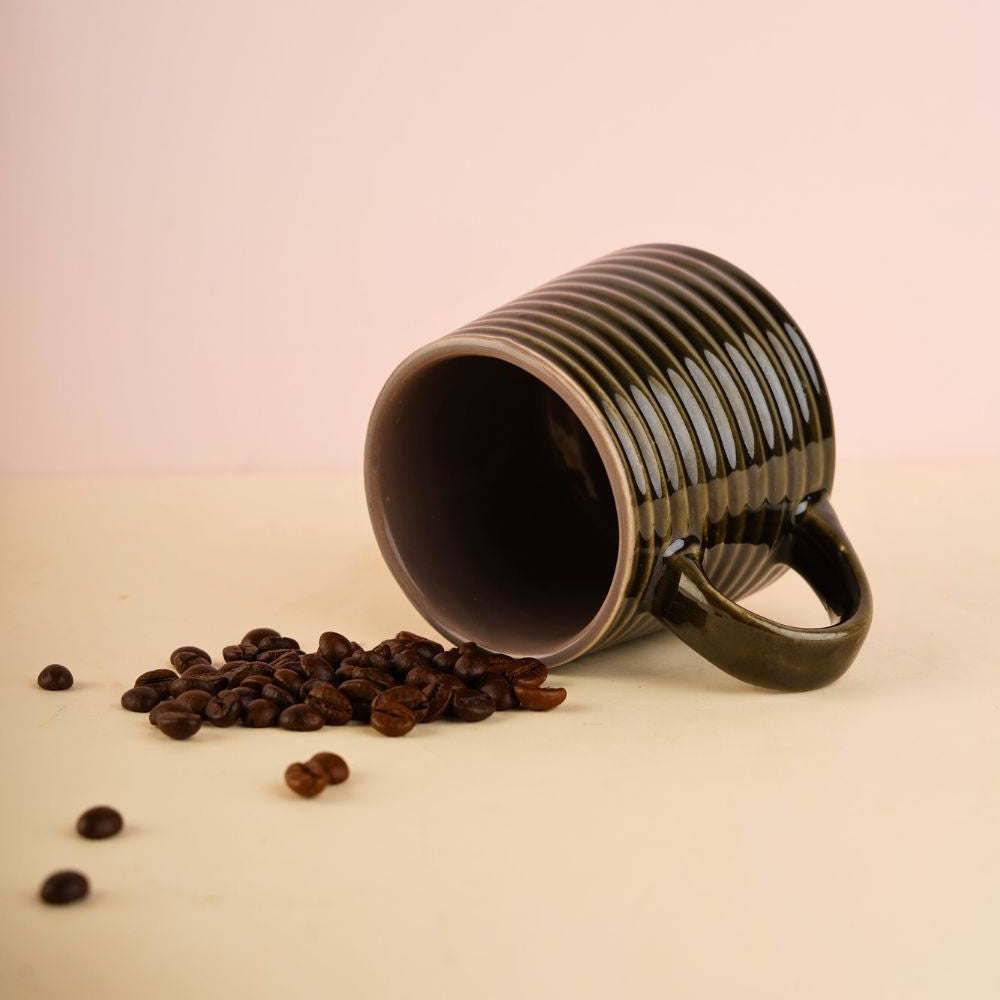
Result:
<point x="636" y="444"/>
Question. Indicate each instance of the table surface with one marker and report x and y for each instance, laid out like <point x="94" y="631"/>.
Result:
<point x="667" y="832"/>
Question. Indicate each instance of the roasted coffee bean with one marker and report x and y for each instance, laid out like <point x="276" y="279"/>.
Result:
<point x="260" y="714"/>
<point x="213" y="685"/>
<point x="55" y="677"/>
<point x="244" y="651"/>
<point x="140" y="699"/>
<point x="159" y="680"/>
<point x="335" y="707"/>
<point x="290" y="680"/>
<point x="184" y="656"/>
<point x="253" y="637"/>
<point x="224" y="710"/>
<point x="380" y="678"/>
<point x="421" y="640"/>
<point x="256" y="681"/>
<point x="301" y="719"/>
<point x="388" y="648"/>
<point x="288" y="658"/>
<point x="470" y="667"/>
<point x="446" y="660"/>
<point x="64" y="887"/>
<point x="271" y="642"/>
<point x="167" y="705"/>
<point x="406" y="660"/>
<point x="498" y="663"/>
<point x="271" y="655"/>
<point x="392" y="719"/>
<point x="345" y="672"/>
<point x="178" y="725"/>
<point x="333" y="764"/>
<point x="538" y="699"/>
<point x="307" y="780"/>
<point x="422" y="676"/>
<point x="472" y="706"/>
<point x="201" y="669"/>
<point x="237" y="674"/>
<point x="316" y="668"/>
<point x="413" y="698"/>
<point x="438" y="699"/>
<point x="244" y="695"/>
<point x="194" y="701"/>
<point x="366" y="658"/>
<point x="361" y="694"/>
<point x="278" y="695"/>
<point x="527" y="671"/>
<point x="500" y="690"/>
<point x="99" y="822"/>
<point x="333" y="647"/>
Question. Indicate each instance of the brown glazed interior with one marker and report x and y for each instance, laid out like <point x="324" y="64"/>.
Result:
<point x="498" y="499"/>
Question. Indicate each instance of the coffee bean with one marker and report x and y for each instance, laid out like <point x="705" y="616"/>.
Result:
<point x="277" y="694"/>
<point x="307" y="780"/>
<point x="260" y="714"/>
<point x="422" y="676"/>
<point x="388" y="648"/>
<point x="167" y="705"/>
<point x="335" y="707"/>
<point x="225" y="709"/>
<point x="184" y="656"/>
<point x="194" y="701"/>
<point x="236" y="675"/>
<point x="243" y="651"/>
<point x="99" y="822"/>
<point x="538" y="699"/>
<point x="472" y="706"/>
<point x="498" y="663"/>
<point x="272" y="642"/>
<point x="64" y="887"/>
<point x="201" y="669"/>
<point x="333" y="647"/>
<point x="289" y="658"/>
<point x="178" y="724"/>
<point x="446" y="660"/>
<point x="159" y="680"/>
<point x="500" y="690"/>
<point x="316" y="668"/>
<point x="55" y="677"/>
<point x="406" y="660"/>
<point x="275" y="655"/>
<point x="333" y="764"/>
<point x="438" y="699"/>
<point x="290" y="680"/>
<point x="413" y="698"/>
<point x="211" y="685"/>
<point x="361" y="694"/>
<point x="392" y="719"/>
<point x="301" y="719"/>
<point x="380" y="678"/>
<point x="470" y="667"/>
<point x="421" y="641"/>
<point x="253" y="637"/>
<point x="244" y="695"/>
<point x="256" y="681"/>
<point x="140" y="699"/>
<point x="527" y="671"/>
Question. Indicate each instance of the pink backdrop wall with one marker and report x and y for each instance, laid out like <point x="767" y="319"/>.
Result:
<point x="223" y="223"/>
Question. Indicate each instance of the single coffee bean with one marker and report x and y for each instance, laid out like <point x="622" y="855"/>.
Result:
<point x="243" y="651"/>
<point x="184" y="656"/>
<point x="421" y="676"/>
<point x="361" y="694"/>
<point x="335" y="707"/>
<point x="278" y="695"/>
<point x="438" y="699"/>
<point x="275" y="655"/>
<point x="209" y="684"/>
<point x="500" y="690"/>
<point x="333" y="647"/>
<point x="55" y="677"/>
<point x="388" y="648"/>
<point x="413" y="698"/>
<point x="392" y="719"/>
<point x="224" y="710"/>
<point x="470" y="667"/>
<point x="178" y="725"/>
<point x="527" y="671"/>
<point x="256" y="681"/>
<point x="333" y="764"/>
<point x="446" y="660"/>
<point x="234" y="677"/>
<point x="380" y="678"/>
<point x="64" y="887"/>
<point x="99" y="822"/>
<point x="272" y="642"/>
<point x="369" y="658"/>
<point x="301" y="719"/>
<point x="472" y="706"/>
<point x="140" y="699"/>
<point x="184" y="661"/>
<point x="316" y="668"/>
<point x="538" y="699"/>
<point x="260" y="714"/>
<point x="421" y="640"/>
<point x="307" y="780"/>
<point x="201" y="669"/>
<point x="167" y="705"/>
<point x="498" y="663"/>
<point x="244" y="695"/>
<point x="406" y="660"/>
<point x="253" y="637"/>
<point x="194" y="701"/>
<point x="290" y="680"/>
<point x="288" y="658"/>
<point x="159" y="680"/>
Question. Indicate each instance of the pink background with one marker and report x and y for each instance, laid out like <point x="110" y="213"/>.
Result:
<point x="222" y="224"/>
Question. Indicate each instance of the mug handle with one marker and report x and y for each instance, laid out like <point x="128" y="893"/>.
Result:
<point x="756" y="649"/>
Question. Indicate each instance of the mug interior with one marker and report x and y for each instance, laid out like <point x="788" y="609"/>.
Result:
<point x="493" y="504"/>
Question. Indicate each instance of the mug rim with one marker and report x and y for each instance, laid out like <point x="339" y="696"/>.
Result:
<point x="496" y="345"/>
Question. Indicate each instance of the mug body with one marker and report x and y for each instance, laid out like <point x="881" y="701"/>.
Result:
<point x="528" y="474"/>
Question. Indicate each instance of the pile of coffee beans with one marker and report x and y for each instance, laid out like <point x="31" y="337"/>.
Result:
<point x="267" y="679"/>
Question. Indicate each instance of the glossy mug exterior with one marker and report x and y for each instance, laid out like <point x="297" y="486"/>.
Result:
<point x="637" y="443"/>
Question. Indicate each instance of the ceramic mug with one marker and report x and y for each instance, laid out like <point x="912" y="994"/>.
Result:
<point x="636" y="444"/>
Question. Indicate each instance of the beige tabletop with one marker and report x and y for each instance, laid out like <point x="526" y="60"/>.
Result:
<point x="668" y="832"/>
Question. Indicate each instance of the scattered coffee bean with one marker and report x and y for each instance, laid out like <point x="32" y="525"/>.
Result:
<point x="307" y="780"/>
<point x="472" y="706"/>
<point x="301" y="719"/>
<point x="178" y="724"/>
<point x="184" y="656"/>
<point x="333" y="764"/>
<point x="253" y="637"/>
<point x="392" y="719"/>
<point x="55" y="677"/>
<point x="538" y="699"/>
<point x="159" y="680"/>
<point x="167" y="705"/>
<point x="99" y="822"/>
<point x="64" y="887"/>
<point x="140" y="699"/>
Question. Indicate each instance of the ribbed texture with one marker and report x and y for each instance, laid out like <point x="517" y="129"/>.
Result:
<point x="711" y="392"/>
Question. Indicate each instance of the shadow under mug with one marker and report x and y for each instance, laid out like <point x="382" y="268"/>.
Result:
<point x="638" y="443"/>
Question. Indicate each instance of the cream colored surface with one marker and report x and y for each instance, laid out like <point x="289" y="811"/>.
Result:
<point x="668" y="832"/>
